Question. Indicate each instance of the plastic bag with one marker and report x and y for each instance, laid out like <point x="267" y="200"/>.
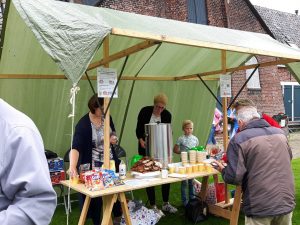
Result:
<point x="196" y="210"/>
<point x="141" y="215"/>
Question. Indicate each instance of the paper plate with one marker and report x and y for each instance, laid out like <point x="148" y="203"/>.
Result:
<point x="145" y="175"/>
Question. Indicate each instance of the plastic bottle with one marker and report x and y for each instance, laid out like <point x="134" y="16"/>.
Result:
<point x="112" y="165"/>
<point x="122" y="170"/>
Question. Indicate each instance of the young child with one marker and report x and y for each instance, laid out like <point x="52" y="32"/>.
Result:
<point x="183" y="144"/>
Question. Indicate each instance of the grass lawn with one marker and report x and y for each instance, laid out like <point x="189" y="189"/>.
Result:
<point x="60" y="217"/>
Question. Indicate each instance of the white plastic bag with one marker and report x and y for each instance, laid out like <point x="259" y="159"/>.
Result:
<point x="142" y="216"/>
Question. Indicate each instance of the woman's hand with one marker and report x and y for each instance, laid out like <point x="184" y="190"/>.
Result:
<point x="142" y="143"/>
<point x="72" y="171"/>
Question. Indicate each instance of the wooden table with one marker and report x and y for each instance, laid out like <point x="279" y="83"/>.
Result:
<point x="110" y="195"/>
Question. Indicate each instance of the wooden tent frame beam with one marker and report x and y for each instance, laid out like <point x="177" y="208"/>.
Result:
<point x="234" y="69"/>
<point x="131" y="50"/>
<point x="197" y="43"/>
<point x="63" y="77"/>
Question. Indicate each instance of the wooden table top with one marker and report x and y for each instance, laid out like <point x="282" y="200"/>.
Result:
<point x="148" y="182"/>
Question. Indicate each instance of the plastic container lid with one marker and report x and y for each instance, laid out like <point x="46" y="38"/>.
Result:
<point x="134" y="159"/>
<point x="198" y="148"/>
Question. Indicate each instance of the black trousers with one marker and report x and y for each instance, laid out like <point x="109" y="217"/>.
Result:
<point x="165" y="188"/>
<point x="95" y="209"/>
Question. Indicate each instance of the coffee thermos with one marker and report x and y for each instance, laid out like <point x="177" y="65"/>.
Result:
<point x="159" y="142"/>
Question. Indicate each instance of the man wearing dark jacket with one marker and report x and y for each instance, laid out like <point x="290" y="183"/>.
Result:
<point x="259" y="159"/>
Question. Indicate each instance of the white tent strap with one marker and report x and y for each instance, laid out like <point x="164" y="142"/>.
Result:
<point x="73" y="91"/>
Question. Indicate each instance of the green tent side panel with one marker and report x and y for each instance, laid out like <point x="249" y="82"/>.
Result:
<point x="25" y="49"/>
<point x="47" y="103"/>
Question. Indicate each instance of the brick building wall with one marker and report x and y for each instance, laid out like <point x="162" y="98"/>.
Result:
<point x="235" y="15"/>
<point x="170" y="9"/>
<point x="240" y="17"/>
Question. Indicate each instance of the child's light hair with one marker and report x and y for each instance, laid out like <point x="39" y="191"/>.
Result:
<point x="187" y="122"/>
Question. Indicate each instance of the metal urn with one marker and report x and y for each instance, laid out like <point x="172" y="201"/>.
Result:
<point x="159" y="142"/>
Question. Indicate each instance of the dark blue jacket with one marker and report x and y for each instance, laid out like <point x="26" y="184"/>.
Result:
<point x="82" y="141"/>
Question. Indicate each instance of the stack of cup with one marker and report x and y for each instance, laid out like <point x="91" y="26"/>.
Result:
<point x="192" y="155"/>
<point x="201" y="156"/>
<point x="184" y="158"/>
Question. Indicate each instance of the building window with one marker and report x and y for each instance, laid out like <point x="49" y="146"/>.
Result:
<point x="254" y="82"/>
<point x="197" y="11"/>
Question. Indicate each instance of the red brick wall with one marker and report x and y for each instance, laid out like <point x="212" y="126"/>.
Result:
<point x="170" y="9"/>
<point x="216" y="13"/>
<point x="239" y="16"/>
<point x="285" y="75"/>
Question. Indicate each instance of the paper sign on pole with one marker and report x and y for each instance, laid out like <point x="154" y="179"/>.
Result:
<point x="106" y="82"/>
<point x="225" y="86"/>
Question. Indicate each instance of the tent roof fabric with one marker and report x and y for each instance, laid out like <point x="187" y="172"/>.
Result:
<point x="72" y="35"/>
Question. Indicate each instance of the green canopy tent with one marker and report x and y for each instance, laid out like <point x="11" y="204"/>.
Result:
<point x="46" y="42"/>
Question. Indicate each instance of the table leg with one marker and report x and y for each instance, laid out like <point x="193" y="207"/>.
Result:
<point x="126" y="213"/>
<point x="235" y="211"/>
<point x="204" y="187"/>
<point x="84" y="211"/>
<point x="108" y="203"/>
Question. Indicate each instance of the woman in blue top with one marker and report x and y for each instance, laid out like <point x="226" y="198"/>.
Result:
<point x="88" y="147"/>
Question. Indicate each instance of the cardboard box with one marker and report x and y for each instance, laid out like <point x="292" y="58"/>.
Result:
<point x="57" y="176"/>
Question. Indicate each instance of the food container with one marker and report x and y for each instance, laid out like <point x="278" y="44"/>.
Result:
<point x="159" y="142"/>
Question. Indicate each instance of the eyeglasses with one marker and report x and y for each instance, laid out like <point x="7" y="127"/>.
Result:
<point x="160" y="107"/>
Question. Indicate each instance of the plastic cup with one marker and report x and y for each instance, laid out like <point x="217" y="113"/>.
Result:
<point x="195" y="168"/>
<point x="171" y="169"/>
<point x="192" y="155"/>
<point x="201" y="167"/>
<point x="184" y="156"/>
<point x="189" y="169"/>
<point x="201" y="156"/>
<point x="208" y="168"/>
<point x="181" y="170"/>
<point x="164" y="173"/>
<point x="75" y="180"/>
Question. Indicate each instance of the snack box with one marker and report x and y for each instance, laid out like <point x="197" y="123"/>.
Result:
<point x="56" y="164"/>
<point x="57" y="176"/>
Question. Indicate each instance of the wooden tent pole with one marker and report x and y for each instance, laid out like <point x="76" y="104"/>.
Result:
<point x="224" y="102"/>
<point x="225" y="121"/>
<point x="107" y="117"/>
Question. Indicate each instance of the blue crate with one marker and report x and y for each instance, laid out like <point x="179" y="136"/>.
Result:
<point x="56" y="164"/>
